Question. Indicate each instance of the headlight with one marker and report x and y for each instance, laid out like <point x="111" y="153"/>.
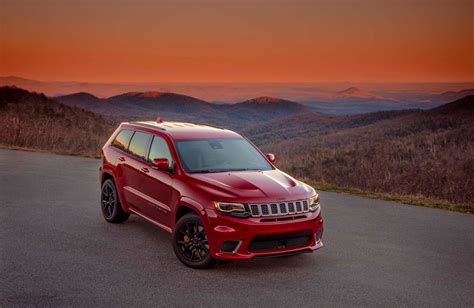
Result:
<point x="314" y="203"/>
<point x="234" y="209"/>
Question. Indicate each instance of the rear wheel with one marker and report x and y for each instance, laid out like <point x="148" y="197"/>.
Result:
<point x="190" y="242"/>
<point x="110" y="203"/>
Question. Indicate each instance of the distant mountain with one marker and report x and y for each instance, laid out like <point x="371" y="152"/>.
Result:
<point x="355" y="100"/>
<point x="81" y="96"/>
<point x="267" y="100"/>
<point x="426" y="153"/>
<point x="145" y="105"/>
<point x="354" y="93"/>
<point x="450" y="96"/>
<point x="264" y="102"/>
<point x="92" y="103"/>
<point x="172" y="106"/>
<point x="33" y="120"/>
<point x="81" y="99"/>
<point x="262" y="109"/>
<point x="461" y="111"/>
<point x="161" y="102"/>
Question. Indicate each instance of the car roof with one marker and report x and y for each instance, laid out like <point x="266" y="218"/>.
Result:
<point x="183" y="130"/>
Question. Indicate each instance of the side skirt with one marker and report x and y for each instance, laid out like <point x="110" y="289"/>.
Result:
<point x="166" y="228"/>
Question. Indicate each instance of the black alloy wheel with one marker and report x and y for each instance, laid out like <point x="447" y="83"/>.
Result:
<point x="190" y="242"/>
<point x="110" y="204"/>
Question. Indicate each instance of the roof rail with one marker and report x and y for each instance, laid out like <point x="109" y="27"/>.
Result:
<point x="149" y="125"/>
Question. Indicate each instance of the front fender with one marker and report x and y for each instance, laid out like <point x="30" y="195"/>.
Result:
<point x="191" y="203"/>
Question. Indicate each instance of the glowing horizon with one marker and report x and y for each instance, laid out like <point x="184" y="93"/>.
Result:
<point x="242" y="41"/>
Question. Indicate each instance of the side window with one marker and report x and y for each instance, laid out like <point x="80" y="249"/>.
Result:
<point x="159" y="149"/>
<point x="139" y="144"/>
<point x="122" y="139"/>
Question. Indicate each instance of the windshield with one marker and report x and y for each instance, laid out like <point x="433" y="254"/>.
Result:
<point x="220" y="155"/>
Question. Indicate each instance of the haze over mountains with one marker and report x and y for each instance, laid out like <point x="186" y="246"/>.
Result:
<point x="422" y="153"/>
<point x="331" y="98"/>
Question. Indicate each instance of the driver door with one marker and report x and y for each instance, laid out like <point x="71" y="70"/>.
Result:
<point x="159" y="184"/>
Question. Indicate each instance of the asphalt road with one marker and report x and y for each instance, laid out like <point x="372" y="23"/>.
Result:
<point x="57" y="250"/>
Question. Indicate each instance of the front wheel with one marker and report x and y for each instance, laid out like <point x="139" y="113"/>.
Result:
<point x="190" y="242"/>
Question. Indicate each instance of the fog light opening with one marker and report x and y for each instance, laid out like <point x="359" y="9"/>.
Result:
<point x="318" y="236"/>
<point x="230" y="246"/>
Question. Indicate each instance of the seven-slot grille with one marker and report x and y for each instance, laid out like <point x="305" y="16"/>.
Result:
<point x="280" y="208"/>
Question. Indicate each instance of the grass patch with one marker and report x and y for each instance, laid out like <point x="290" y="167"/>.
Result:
<point x="405" y="199"/>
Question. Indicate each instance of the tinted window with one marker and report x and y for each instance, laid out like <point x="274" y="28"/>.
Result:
<point x="159" y="149"/>
<point x="139" y="144"/>
<point x="219" y="155"/>
<point x="123" y="138"/>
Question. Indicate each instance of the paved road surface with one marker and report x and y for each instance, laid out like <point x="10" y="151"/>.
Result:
<point x="57" y="250"/>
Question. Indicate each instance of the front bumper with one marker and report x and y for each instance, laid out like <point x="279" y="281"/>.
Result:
<point x="220" y="228"/>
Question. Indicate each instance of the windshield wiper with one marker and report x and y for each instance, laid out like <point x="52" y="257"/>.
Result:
<point x="245" y="169"/>
<point x="210" y="171"/>
<point x="222" y="170"/>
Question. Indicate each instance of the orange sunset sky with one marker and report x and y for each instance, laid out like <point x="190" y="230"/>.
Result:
<point x="238" y="41"/>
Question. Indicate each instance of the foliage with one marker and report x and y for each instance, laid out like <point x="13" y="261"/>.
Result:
<point x="32" y="120"/>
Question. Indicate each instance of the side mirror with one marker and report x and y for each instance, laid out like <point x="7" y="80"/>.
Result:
<point x="162" y="164"/>
<point x="271" y="157"/>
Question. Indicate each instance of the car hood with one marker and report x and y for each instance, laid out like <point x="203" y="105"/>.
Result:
<point x="253" y="186"/>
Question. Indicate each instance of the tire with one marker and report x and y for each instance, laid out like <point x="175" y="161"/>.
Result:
<point x="110" y="203"/>
<point x="190" y="242"/>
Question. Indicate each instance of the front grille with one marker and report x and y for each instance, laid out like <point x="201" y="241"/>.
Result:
<point x="280" y="240"/>
<point x="282" y="208"/>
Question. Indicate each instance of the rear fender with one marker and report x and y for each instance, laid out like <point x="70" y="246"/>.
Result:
<point x="123" y="201"/>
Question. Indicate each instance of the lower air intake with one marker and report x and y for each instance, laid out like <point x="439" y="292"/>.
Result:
<point x="280" y="240"/>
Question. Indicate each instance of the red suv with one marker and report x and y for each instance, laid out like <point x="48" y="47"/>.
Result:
<point x="218" y="195"/>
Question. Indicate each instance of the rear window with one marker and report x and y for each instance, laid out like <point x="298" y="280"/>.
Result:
<point x="139" y="144"/>
<point x="122" y="139"/>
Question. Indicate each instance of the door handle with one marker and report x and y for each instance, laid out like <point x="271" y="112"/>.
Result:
<point x="121" y="158"/>
<point x="144" y="169"/>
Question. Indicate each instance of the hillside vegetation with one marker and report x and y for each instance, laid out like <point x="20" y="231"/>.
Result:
<point x="32" y="120"/>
